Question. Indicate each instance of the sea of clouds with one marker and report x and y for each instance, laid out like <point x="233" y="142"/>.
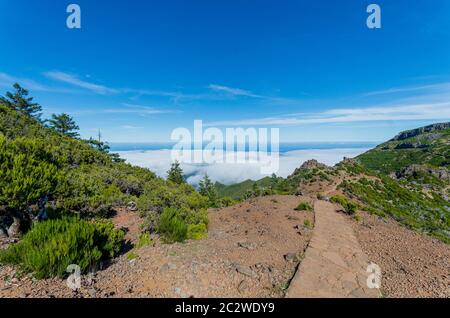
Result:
<point x="159" y="161"/>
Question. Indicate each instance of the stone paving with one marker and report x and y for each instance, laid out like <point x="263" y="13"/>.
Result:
<point x="334" y="265"/>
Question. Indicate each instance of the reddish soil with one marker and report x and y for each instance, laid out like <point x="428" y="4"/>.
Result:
<point x="412" y="264"/>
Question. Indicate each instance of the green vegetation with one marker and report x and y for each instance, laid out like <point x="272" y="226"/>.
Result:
<point x="43" y="167"/>
<point x="64" y="124"/>
<point x="144" y="240"/>
<point x="243" y="189"/>
<point x="308" y="224"/>
<point x="28" y="171"/>
<point x="50" y="246"/>
<point x="132" y="256"/>
<point x="172" y="226"/>
<point x="429" y="213"/>
<point x="425" y="146"/>
<point x="417" y="195"/>
<point x="175" y="174"/>
<point x="177" y="225"/>
<point x="349" y="207"/>
<point x="20" y="102"/>
<point x="304" y="206"/>
<point x="207" y="189"/>
<point x="276" y="185"/>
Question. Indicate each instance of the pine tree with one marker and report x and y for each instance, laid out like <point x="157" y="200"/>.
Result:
<point x="175" y="174"/>
<point x="20" y="102"/>
<point x="207" y="189"/>
<point x="64" y="124"/>
<point x="273" y="181"/>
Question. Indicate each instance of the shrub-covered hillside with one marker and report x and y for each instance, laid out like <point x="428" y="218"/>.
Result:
<point x="428" y="145"/>
<point x="47" y="172"/>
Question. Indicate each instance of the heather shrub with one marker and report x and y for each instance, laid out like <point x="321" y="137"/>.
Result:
<point x="303" y="206"/>
<point x="50" y="246"/>
<point x="172" y="226"/>
<point x="349" y="207"/>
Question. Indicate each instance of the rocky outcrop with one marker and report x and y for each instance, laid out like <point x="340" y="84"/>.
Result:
<point x="415" y="170"/>
<point x="409" y="145"/>
<point x="312" y="164"/>
<point x="349" y="161"/>
<point x="435" y="128"/>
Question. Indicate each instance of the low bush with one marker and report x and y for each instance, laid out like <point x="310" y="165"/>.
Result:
<point x="425" y="212"/>
<point x="144" y="239"/>
<point x="303" y="206"/>
<point x="172" y="227"/>
<point x="308" y="224"/>
<point x="226" y="202"/>
<point x="50" y="246"/>
<point x="177" y="225"/>
<point x="349" y="207"/>
<point x="197" y="231"/>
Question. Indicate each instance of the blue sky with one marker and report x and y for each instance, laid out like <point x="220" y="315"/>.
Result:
<point x="139" y="69"/>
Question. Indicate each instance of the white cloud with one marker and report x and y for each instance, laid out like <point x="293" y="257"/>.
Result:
<point x="75" y="81"/>
<point x="395" y="90"/>
<point x="131" y="127"/>
<point x="7" y="80"/>
<point x="139" y="109"/>
<point x="233" y="91"/>
<point x="159" y="161"/>
<point x="430" y="111"/>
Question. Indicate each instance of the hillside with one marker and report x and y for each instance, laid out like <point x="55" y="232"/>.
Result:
<point x="238" y="190"/>
<point x="406" y="178"/>
<point x="53" y="183"/>
<point x="428" y="145"/>
<point x="419" y="155"/>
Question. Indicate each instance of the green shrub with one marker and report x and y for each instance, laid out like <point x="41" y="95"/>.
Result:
<point x="177" y="225"/>
<point x="227" y="201"/>
<point x="172" y="227"/>
<point x="349" y="207"/>
<point x="50" y="246"/>
<point x="197" y="231"/>
<point x="303" y="206"/>
<point x="410" y="206"/>
<point x="132" y="256"/>
<point x="144" y="239"/>
<point x="27" y="172"/>
<point x="307" y="224"/>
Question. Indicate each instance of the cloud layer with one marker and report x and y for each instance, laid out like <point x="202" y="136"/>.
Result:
<point x="159" y="161"/>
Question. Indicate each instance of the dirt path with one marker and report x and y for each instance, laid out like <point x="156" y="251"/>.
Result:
<point x="334" y="263"/>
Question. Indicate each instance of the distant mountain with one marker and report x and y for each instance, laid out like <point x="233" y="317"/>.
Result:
<point x="406" y="178"/>
<point x="238" y="190"/>
<point x="428" y="146"/>
<point x="273" y="185"/>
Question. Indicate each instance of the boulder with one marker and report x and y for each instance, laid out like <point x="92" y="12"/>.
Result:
<point x="292" y="257"/>
<point x="245" y="270"/>
<point x="15" y="229"/>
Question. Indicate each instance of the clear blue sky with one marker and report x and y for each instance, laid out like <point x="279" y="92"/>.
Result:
<point x="138" y="69"/>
